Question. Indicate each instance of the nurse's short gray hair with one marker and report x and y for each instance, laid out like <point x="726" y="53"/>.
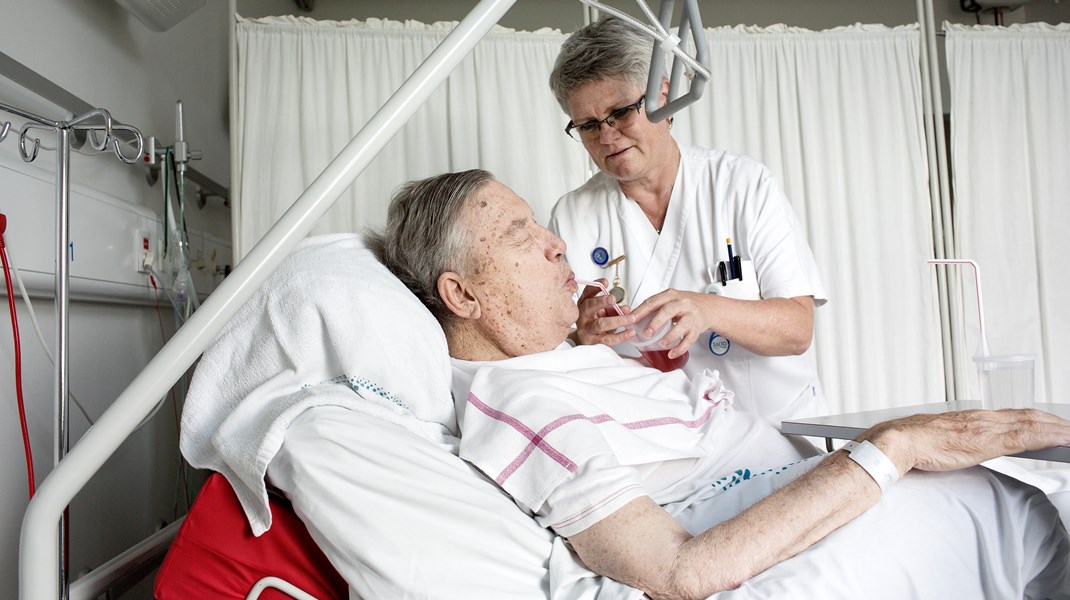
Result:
<point x="606" y="49"/>
<point x="425" y="235"/>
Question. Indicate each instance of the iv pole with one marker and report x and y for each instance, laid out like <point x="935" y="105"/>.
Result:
<point x="86" y="123"/>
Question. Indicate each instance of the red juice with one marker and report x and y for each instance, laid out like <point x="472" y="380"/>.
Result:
<point x="659" y="359"/>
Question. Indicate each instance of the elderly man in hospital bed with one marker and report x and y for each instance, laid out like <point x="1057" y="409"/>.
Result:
<point x="656" y="482"/>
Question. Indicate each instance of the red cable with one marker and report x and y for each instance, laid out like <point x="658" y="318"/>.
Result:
<point x="18" y="355"/>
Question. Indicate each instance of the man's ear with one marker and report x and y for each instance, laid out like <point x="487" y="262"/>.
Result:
<point x="455" y="293"/>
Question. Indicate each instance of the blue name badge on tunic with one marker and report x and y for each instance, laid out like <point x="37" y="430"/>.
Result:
<point x="719" y="345"/>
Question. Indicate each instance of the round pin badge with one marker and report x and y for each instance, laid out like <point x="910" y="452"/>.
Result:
<point x="719" y="345"/>
<point x="600" y="256"/>
<point x="712" y="288"/>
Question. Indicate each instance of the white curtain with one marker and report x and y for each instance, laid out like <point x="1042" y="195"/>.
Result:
<point x="1010" y="148"/>
<point x="306" y="87"/>
<point x="836" y="114"/>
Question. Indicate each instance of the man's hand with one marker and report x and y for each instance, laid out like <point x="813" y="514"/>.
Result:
<point x="599" y="322"/>
<point x="955" y="440"/>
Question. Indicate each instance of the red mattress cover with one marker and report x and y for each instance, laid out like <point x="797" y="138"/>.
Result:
<point x="215" y="554"/>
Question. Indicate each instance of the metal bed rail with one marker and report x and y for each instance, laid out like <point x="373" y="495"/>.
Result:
<point x="132" y="564"/>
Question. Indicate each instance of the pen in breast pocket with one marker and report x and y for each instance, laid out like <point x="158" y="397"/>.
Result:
<point x="735" y="263"/>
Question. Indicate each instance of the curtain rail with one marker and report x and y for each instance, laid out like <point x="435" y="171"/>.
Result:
<point x="949" y="289"/>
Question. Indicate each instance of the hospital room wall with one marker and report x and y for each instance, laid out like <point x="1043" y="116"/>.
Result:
<point x="98" y="53"/>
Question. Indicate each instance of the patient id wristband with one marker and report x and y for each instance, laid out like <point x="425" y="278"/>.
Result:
<point x="869" y="457"/>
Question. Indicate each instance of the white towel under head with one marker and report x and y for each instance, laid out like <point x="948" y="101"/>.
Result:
<point x="331" y="326"/>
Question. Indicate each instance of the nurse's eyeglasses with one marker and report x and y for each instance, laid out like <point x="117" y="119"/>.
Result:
<point x="621" y="117"/>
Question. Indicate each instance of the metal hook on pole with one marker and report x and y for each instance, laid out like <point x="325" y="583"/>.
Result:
<point x="28" y="155"/>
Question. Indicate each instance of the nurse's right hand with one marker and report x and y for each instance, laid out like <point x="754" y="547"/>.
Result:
<point x="599" y="322"/>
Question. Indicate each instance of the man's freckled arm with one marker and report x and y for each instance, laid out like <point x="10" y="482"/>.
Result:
<point x="641" y="545"/>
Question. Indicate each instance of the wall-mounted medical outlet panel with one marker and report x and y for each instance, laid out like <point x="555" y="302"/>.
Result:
<point x="107" y="240"/>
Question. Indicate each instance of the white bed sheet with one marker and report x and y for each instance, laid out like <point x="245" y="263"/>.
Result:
<point x="400" y="517"/>
<point x="963" y="534"/>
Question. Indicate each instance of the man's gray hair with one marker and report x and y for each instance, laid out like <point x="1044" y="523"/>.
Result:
<point x="425" y="236"/>
<point x="606" y="49"/>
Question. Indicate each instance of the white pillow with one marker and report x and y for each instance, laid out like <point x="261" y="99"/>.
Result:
<point x="330" y="311"/>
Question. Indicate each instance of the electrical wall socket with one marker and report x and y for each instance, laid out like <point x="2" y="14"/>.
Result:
<point x="145" y="250"/>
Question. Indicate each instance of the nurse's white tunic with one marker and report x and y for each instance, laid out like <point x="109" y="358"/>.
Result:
<point x="716" y="196"/>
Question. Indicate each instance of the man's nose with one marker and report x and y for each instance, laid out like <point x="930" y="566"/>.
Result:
<point x="556" y="246"/>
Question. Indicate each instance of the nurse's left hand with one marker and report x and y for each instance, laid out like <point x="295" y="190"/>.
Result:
<point x="690" y="311"/>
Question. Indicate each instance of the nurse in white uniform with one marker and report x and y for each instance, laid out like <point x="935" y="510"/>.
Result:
<point x="700" y="238"/>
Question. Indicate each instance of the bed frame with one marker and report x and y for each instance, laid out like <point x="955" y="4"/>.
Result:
<point x="40" y="542"/>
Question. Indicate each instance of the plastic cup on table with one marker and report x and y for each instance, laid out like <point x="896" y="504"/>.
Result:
<point x="1006" y="380"/>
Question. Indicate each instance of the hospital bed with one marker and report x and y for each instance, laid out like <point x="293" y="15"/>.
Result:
<point x="368" y="463"/>
<point x="39" y="545"/>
